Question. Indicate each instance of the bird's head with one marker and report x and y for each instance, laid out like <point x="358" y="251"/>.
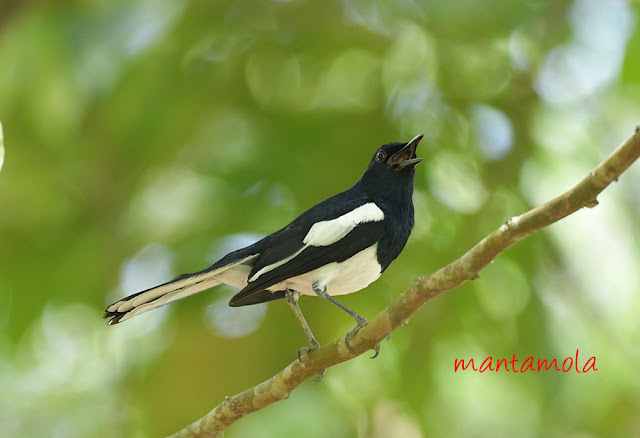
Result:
<point x="397" y="157"/>
<point x="393" y="165"/>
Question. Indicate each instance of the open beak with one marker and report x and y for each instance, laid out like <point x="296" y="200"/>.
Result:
<point x="406" y="157"/>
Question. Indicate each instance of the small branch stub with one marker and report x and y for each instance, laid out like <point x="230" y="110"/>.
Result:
<point x="591" y="204"/>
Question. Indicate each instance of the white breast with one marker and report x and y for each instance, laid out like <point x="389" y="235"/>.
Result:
<point x="342" y="278"/>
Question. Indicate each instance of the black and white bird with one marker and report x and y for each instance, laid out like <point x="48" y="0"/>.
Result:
<point x="337" y="247"/>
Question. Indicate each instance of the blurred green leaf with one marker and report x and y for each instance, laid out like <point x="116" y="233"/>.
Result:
<point x="1" y="147"/>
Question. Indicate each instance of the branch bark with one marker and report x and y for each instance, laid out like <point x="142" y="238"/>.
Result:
<point x="466" y="268"/>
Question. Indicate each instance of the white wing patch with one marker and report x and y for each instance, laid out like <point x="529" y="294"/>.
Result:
<point x="326" y="233"/>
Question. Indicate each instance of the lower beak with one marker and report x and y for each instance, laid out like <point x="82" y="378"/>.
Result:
<point x="406" y="157"/>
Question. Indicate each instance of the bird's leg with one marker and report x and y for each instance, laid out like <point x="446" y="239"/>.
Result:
<point x="321" y="291"/>
<point x="292" y="298"/>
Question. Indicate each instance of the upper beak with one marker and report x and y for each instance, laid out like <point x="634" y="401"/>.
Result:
<point x="406" y="156"/>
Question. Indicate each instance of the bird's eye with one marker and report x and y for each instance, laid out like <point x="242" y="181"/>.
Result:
<point x="380" y="156"/>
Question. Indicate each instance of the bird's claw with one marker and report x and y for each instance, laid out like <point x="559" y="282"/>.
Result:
<point x="320" y="375"/>
<point x="377" y="348"/>
<point x="306" y="350"/>
<point x="354" y="330"/>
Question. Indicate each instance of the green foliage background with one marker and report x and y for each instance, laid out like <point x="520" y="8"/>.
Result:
<point x="143" y="139"/>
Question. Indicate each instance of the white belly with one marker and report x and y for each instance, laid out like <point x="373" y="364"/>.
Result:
<point x="341" y="278"/>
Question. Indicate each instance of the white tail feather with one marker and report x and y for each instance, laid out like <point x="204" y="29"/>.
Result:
<point x="152" y="294"/>
<point x="173" y="291"/>
<point x="170" y="297"/>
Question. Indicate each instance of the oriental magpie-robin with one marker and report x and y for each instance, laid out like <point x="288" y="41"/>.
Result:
<point x="337" y="247"/>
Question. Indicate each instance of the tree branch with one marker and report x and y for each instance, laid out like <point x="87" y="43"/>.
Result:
<point x="465" y="268"/>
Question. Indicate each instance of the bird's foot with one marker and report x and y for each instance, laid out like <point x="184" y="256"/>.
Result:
<point x="320" y="375"/>
<point x="305" y="350"/>
<point x="361" y="323"/>
<point x="377" y="348"/>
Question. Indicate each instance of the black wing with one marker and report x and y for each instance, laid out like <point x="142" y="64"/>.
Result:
<point x="287" y="241"/>
<point x="312" y="257"/>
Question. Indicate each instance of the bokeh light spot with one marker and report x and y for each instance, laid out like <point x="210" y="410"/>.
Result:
<point x="455" y="181"/>
<point x="233" y="322"/>
<point x="493" y="131"/>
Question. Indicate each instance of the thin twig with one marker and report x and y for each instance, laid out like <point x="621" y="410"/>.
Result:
<point x="466" y="268"/>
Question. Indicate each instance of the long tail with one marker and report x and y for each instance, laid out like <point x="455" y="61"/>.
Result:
<point x="176" y="289"/>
